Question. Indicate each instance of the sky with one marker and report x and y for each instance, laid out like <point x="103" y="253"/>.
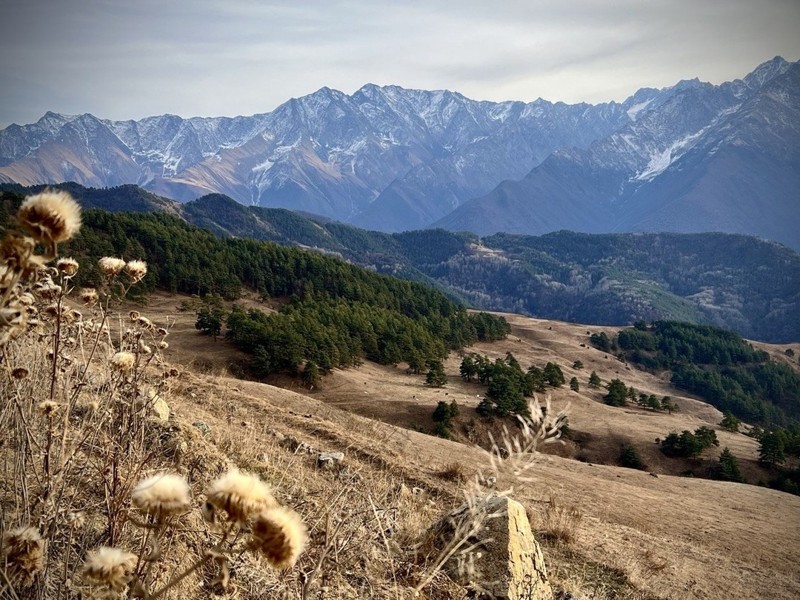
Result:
<point x="135" y="58"/>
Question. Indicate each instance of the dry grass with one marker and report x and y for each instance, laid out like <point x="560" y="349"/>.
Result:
<point x="454" y="472"/>
<point x="560" y="522"/>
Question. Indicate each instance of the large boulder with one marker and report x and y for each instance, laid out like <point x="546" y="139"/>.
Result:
<point x="504" y="559"/>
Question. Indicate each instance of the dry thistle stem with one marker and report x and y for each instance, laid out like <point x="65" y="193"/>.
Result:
<point x="280" y="535"/>
<point x="240" y="494"/>
<point x="161" y="496"/>
<point x="109" y="568"/>
<point x="23" y="553"/>
<point x="51" y="217"/>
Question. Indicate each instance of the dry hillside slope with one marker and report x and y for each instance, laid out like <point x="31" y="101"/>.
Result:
<point x="665" y="536"/>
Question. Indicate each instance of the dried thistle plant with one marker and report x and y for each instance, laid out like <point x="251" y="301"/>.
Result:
<point x="77" y="395"/>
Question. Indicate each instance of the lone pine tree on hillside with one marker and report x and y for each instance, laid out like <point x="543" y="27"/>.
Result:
<point x="772" y="450"/>
<point x="594" y="380"/>
<point x="730" y="422"/>
<point x="617" y="392"/>
<point x="728" y="467"/>
<point x="436" y="376"/>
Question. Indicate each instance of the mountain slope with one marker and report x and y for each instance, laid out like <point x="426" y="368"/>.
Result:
<point x="710" y="158"/>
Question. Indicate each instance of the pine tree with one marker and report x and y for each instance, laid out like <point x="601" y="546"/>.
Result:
<point x="772" y="450"/>
<point x="574" y="385"/>
<point x="629" y="457"/>
<point x="436" y="376"/>
<point x="668" y="405"/>
<point x="311" y="374"/>
<point x="730" y="422"/>
<point x="728" y="468"/>
<point x="553" y="375"/>
<point x="594" y="380"/>
<point x="468" y="368"/>
<point x="616" y="393"/>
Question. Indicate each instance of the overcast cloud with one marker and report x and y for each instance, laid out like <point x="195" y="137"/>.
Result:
<point x="201" y="57"/>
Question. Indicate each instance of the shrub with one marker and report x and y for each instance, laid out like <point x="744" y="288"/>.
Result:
<point x="629" y="458"/>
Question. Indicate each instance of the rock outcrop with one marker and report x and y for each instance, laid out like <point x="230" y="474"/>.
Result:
<point x="505" y="560"/>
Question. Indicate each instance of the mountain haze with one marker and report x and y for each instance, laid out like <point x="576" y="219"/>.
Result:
<point x="710" y="158"/>
<point x="693" y="157"/>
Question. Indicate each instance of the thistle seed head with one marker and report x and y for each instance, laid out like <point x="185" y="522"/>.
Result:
<point x="51" y="217"/>
<point x="279" y="534"/>
<point x="67" y="266"/>
<point x="123" y="361"/>
<point x="162" y="495"/>
<point x="136" y="270"/>
<point x="88" y="296"/>
<point x="240" y="494"/>
<point x="109" y="567"/>
<point x="23" y="553"/>
<point x="111" y="266"/>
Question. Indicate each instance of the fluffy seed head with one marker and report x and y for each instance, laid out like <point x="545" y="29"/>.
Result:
<point x="88" y="296"/>
<point x="136" y="269"/>
<point x="26" y="299"/>
<point x="20" y="373"/>
<point x="134" y="315"/>
<point x="76" y="520"/>
<point x="51" y="217"/>
<point x="111" y="266"/>
<point x="162" y="495"/>
<point x="23" y="553"/>
<point x="18" y="253"/>
<point x="123" y="361"/>
<point x="240" y="494"/>
<point x="163" y="345"/>
<point x="67" y="266"/>
<point x="13" y="319"/>
<point x="47" y="289"/>
<point x="109" y="567"/>
<point x="47" y="407"/>
<point x="280" y="535"/>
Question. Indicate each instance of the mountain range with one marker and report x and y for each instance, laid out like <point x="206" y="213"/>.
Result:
<point x="692" y="157"/>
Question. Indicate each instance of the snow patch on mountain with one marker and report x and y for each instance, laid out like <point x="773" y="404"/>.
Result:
<point x="634" y="110"/>
<point x="263" y="167"/>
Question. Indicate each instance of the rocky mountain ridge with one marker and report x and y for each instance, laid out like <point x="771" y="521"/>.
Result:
<point x="692" y="157"/>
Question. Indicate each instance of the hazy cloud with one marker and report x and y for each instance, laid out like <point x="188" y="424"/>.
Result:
<point x="128" y="60"/>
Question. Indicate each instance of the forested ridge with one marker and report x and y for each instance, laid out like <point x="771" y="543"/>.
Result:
<point x="717" y="365"/>
<point x="332" y="314"/>
<point x="739" y="282"/>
